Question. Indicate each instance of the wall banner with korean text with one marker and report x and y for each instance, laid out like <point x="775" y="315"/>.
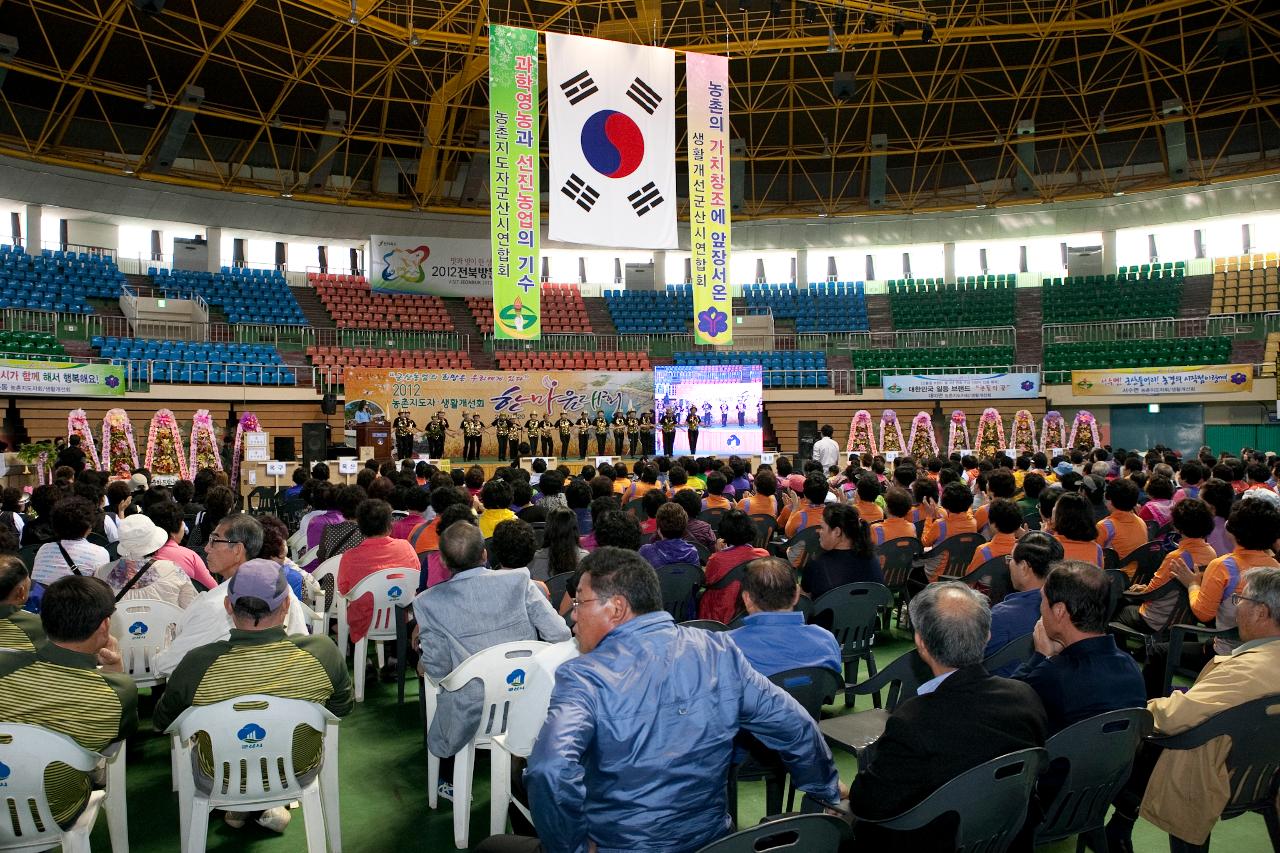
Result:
<point x="514" y="200"/>
<point x="444" y="266"/>
<point x="522" y="394"/>
<point x="962" y="386"/>
<point x="1141" y="381"/>
<point x="707" y="84"/>
<point x="62" y="378"/>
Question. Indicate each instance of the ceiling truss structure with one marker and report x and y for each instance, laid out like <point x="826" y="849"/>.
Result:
<point x="958" y="88"/>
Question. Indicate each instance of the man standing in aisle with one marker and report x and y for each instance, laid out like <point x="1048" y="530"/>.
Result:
<point x="633" y="433"/>
<point x="692" y="423"/>
<point x="619" y="425"/>
<point x="602" y="431"/>
<point x="583" y="426"/>
<point x="668" y="424"/>
<point x="404" y="427"/>
<point x="565" y="427"/>
<point x="502" y="428"/>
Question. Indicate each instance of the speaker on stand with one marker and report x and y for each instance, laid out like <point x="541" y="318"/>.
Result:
<point x="808" y="433"/>
<point x="284" y="448"/>
<point x="315" y="443"/>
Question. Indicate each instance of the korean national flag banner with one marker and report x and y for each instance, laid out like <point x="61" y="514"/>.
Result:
<point x="613" y="143"/>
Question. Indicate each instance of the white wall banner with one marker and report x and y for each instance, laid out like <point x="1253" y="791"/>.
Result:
<point x="612" y="143"/>
<point x="445" y="266"/>
<point x="962" y="386"/>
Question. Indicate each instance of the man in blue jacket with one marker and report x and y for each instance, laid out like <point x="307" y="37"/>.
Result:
<point x="639" y="734"/>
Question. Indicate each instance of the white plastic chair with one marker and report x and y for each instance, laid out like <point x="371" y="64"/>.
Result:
<point x="298" y="542"/>
<point x="26" y="821"/>
<point x="326" y="609"/>
<point x="522" y="730"/>
<point x="143" y="628"/>
<point x="251" y="739"/>
<point x="389" y="588"/>
<point x="504" y="670"/>
<point x="307" y="556"/>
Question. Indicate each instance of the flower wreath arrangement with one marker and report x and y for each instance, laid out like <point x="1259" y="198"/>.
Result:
<point x="891" y="433"/>
<point x="990" y="434"/>
<point x="164" y="446"/>
<point x="1084" y="430"/>
<point x="861" y="438"/>
<point x="78" y="424"/>
<point x="1024" y="432"/>
<point x="958" y="433"/>
<point x="119" y="453"/>
<point x="37" y="452"/>
<point x="248" y="423"/>
<point x="204" y="444"/>
<point x="923" y="442"/>
<point x="1052" y="432"/>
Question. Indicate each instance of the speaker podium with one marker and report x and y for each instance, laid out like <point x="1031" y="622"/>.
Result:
<point x="377" y="436"/>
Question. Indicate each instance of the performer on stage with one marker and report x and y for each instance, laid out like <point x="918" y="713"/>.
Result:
<point x="742" y="413"/>
<point x="404" y="426"/>
<point x="472" y="428"/>
<point x="633" y="433"/>
<point x="647" y="433"/>
<point x="533" y="433"/>
<point x="706" y="413"/>
<point x="583" y="427"/>
<point x="619" y="425"/>
<point x="602" y="431"/>
<point x="724" y="413"/>
<point x="548" y="429"/>
<point x="692" y="423"/>
<point x="668" y="423"/>
<point x="502" y="428"/>
<point x="565" y="427"/>
<point x="435" y="436"/>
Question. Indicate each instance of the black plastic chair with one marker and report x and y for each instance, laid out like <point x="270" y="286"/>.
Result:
<point x="27" y="555"/>
<point x="852" y="613"/>
<point x="990" y="803"/>
<point x="957" y="551"/>
<point x="636" y="507"/>
<point x="705" y="624"/>
<point x="1111" y="560"/>
<point x="1032" y="520"/>
<point x="1119" y="583"/>
<point x="1088" y="763"/>
<point x="680" y="583"/>
<point x="1148" y="557"/>
<point x="1017" y="650"/>
<point x="262" y="501"/>
<point x="992" y="579"/>
<point x="1253" y="767"/>
<point x="853" y="733"/>
<point x="712" y="517"/>
<point x="557" y="588"/>
<point x="898" y="557"/>
<point x="1135" y="640"/>
<point x="802" y="547"/>
<point x="1178" y="635"/>
<point x="808" y="833"/>
<point x="766" y="526"/>
<point x="704" y="553"/>
<point x="404" y="628"/>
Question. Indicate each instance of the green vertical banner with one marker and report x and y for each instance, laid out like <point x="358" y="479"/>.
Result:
<point x="514" y="200"/>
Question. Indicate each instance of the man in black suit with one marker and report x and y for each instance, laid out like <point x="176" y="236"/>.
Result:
<point x="1077" y="670"/>
<point x="960" y="718"/>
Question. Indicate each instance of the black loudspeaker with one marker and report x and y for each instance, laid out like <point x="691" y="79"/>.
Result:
<point x="808" y="433"/>
<point x="844" y="85"/>
<point x="315" y="443"/>
<point x="284" y="448"/>
<point x="329" y="404"/>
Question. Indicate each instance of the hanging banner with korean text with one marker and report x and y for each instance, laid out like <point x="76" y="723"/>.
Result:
<point x="1141" y="381"/>
<point x="61" y="378"/>
<point x="514" y="200"/>
<point x="708" y="89"/>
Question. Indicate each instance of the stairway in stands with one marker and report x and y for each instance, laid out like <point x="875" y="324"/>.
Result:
<point x="465" y="324"/>
<point x="1197" y="295"/>
<point x="1028" y="318"/>
<point x="879" y="318"/>
<point x="598" y="316"/>
<point x="312" y="308"/>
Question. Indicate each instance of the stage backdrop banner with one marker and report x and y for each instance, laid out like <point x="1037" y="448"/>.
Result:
<point x="962" y="386"/>
<point x="61" y="378"/>
<point x="444" y="266"/>
<point x="1142" y="381"/>
<point x="612" y="130"/>
<point x="514" y="206"/>
<point x="488" y="392"/>
<point x="708" y="87"/>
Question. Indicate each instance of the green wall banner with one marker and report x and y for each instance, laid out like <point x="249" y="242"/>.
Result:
<point x="514" y="198"/>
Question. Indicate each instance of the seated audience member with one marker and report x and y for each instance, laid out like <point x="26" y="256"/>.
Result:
<point x="774" y="636"/>
<point x="253" y="659"/>
<point x="1122" y="531"/>
<point x="71" y="553"/>
<point x="19" y="629"/>
<point x="1076" y="669"/>
<point x="648" y="480"/>
<point x="897" y="523"/>
<point x="846" y="556"/>
<point x="715" y="499"/>
<point x="11" y="506"/>
<point x="736" y="536"/>
<point x="698" y="531"/>
<point x="474" y="609"/>
<point x="802" y="514"/>
<point x="560" y="551"/>
<point x="432" y="569"/>
<point x="599" y="506"/>
<point x="513" y="546"/>
<point x="1219" y="495"/>
<point x="1193" y="520"/>
<point x="219" y="503"/>
<point x="300" y="476"/>
<point x="577" y="494"/>
<point x="167" y="515"/>
<point x="275" y="547"/>
<point x="670" y="547"/>
<point x="1003" y="517"/>
<point x="342" y="536"/>
<point x="376" y="553"/>
<point x="1032" y="486"/>
<point x="1001" y="484"/>
<point x="39" y="530"/>
<point x="73" y="685"/>
<point x="1017" y="614"/>
<point x="119" y="495"/>
<point x="618" y="529"/>
<point x="764" y="499"/>
<point x="595" y="778"/>
<point x="140" y="572"/>
<point x="1190" y="477"/>
<point x="949" y="518"/>
<point x="206" y="620"/>
<point x="551" y="485"/>
<point x="416" y="503"/>
<point x="1159" y="505"/>
<point x="1076" y="529"/>
<point x="522" y="503"/>
<point x="1182" y="791"/>
<point x="649" y="506"/>
<point x="868" y="491"/>
<point x="325" y="512"/>
<point x="496" y="497"/>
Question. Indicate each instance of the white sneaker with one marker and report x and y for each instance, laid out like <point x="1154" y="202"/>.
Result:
<point x="275" y="819"/>
<point x="445" y="791"/>
<point x="235" y="820"/>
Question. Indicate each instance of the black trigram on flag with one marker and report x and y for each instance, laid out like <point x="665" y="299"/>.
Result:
<point x="579" y="87"/>
<point x="644" y="96"/>
<point x="645" y="199"/>
<point x="583" y="194"/>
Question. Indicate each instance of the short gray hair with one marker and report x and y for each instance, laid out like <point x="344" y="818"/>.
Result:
<point x="461" y="547"/>
<point x="1101" y="469"/>
<point x="245" y="529"/>
<point x="1263" y="586"/>
<point x="953" y="622"/>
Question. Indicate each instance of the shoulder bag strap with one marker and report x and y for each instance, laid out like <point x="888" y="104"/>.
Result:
<point x="137" y="576"/>
<point x="71" y="564"/>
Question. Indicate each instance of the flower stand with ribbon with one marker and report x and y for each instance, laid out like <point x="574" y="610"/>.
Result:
<point x="164" y="447"/>
<point x="861" y="437"/>
<point x="923" y="442"/>
<point x="1052" y="432"/>
<point x="1084" y="430"/>
<point x="119" y="453"/>
<point x="204" y="444"/>
<point x="78" y="424"/>
<point x="958" y="433"/>
<point x="990" y="434"/>
<point x="248" y="423"/>
<point x="1024" y="432"/>
<point x="891" y="440"/>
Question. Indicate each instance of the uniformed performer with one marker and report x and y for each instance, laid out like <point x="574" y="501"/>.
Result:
<point x="471" y="431"/>
<point x="564" y="426"/>
<point x="647" y="433"/>
<point x="602" y="431"/>
<point x="724" y="413"/>
<point x="668" y="424"/>
<point x="583" y="426"/>
<point x="619" y="426"/>
<point x="692" y="423"/>
<point x="706" y="413"/>
<point x="435" y="436"/>
<point x="548" y="428"/>
<point x="404" y="426"/>
<point x="533" y="432"/>
<point x="502" y="428"/>
<point x="633" y="433"/>
<point x="742" y="413"/>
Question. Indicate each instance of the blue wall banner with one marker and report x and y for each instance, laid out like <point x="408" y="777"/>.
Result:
<point x="962" y="386"/>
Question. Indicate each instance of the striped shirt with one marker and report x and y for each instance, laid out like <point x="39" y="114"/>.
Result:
<point x="63" y="691"/>
<point x="19" y="629"/>
<point x="268" y="661"/>
<point x="50" y="565"/>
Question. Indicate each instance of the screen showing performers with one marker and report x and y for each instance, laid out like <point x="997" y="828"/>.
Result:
<point x="708" y="408"/>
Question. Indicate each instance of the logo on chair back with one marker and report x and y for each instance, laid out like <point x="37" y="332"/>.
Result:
<point x="252" y="736"/>
<point x="4" y="774"/>
<point x="394" y="593"/>
<point x="515" y="680"/>
<point x="138" y="629"/>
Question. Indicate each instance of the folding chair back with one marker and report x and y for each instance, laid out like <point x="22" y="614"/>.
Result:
<point x="680" y="583"/>
<point x="951" y="557"/>
<point x="143" y="628"/>
<point x="26" y="820"/>
<point x="809" y="833"/>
